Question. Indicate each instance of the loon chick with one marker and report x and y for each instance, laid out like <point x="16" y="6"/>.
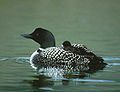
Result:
<point x="80" y="50"/>
<point x="50" y="52"/>
<point x="77" y="50"/>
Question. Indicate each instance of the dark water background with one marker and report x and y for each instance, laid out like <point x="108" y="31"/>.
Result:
<point x="95" y="23"/>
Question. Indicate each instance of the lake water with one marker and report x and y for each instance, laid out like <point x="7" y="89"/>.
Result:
<point x="95" y="23"/>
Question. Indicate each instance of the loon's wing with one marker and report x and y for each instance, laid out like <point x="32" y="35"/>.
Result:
<point x="81" y="46"/>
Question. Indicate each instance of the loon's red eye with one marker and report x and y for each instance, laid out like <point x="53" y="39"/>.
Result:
<point x="37" y="34"/>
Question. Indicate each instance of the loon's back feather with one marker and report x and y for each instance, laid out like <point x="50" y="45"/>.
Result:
<point x="58" y="54"/>
<point x="82" y="46"/>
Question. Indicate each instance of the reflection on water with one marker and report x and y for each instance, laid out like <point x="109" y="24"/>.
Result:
<point x="49" y="76"/>
<point x="95" y="23"/>
<point x="40" y="82"/>
<point x="64" y="73"/>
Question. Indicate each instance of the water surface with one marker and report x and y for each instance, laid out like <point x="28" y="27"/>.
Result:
<point x="94" y="23"/>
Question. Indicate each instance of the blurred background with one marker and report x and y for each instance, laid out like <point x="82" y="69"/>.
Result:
<point x="94" y="23"/>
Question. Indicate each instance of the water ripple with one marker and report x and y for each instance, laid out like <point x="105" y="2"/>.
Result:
<point x="111" y="58"/>
<point x="84" y="80"/>
<point x="46" y="88"/>
<point x="26" y="58"/>
<point x="3" y="59"/>
<point x="18" y="59"/>
<point x="91" y="80"/>
<point x="113" y="64"/>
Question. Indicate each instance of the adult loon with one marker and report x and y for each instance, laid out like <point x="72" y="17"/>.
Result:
<point x="67" y="53"/>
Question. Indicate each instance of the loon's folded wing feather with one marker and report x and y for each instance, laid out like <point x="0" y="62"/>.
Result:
<point x="81" y="46"/>
<point x="58" y="54"/>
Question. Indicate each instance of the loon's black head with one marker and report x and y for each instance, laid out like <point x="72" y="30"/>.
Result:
<point x="42" y="36"/>
<point x="66" y="44"/>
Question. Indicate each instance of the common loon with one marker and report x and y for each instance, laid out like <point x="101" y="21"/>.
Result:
<point x="81" y="50"/>
<point x="67" y="53"/>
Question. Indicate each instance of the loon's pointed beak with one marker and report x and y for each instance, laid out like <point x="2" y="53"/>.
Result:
<point x="27" y="36"/>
